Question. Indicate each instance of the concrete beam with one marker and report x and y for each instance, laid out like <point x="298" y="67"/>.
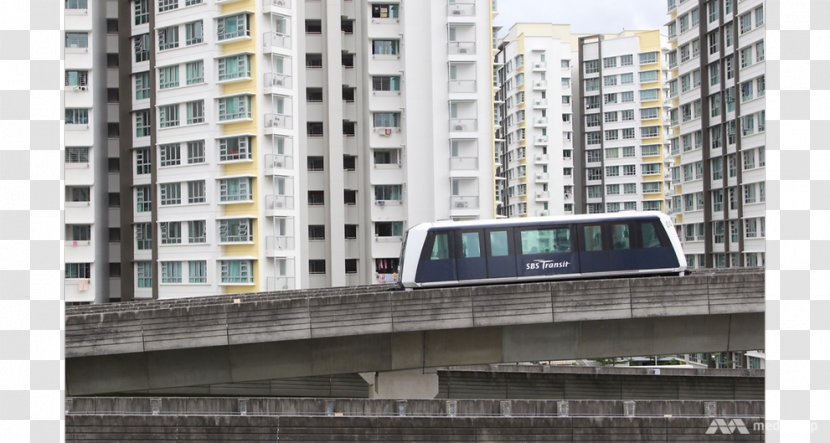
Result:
<point x="400" y="351"/>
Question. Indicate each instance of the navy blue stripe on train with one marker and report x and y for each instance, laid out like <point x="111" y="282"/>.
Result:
<point x="449" y="253"/>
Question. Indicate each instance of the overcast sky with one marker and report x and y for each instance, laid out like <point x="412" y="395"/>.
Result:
<point x="585" y="16"/>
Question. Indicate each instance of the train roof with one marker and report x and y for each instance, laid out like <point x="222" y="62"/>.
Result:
<point x="624" y="215"/>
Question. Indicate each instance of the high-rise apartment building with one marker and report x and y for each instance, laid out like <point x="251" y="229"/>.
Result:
<point x="279" y="144"/>
<point x="717" y="130"/>
<point x="534" y="135"/>
<point x="621" y="135"/>
<point x="91" y="230"/>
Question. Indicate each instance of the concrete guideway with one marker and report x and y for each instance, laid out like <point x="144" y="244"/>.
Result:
<point x="284" y="420"/>
<point x="269" y="318"/>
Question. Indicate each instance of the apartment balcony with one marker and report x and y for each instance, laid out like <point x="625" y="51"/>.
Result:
<point x="463" y="163"/>
<point x="540" y="66"/>
<point x="278" y="245"/>
<point x="279" y="283"/>
<point x="540" y="84"/>
<point x="462" y="86"/>
<point x="542" y="177"/>
<point x="540" y="158"/>
<point x="277" y="83"/>
<point x="541" y="213"/>
<point x="274" y="203"/>
<point x="275" y="122"/>
<point x="276" y="42"/>
<point x="78" y="251"/>
<point x="461" y="9"/>
<point x="280" y="6"/>
<point x="543" y="196"/>
<point x="540" y="121"/>
<point x="540" y="103"/>
<point x="277" y="164"/>
<point x="463" y="202"/>
<point x="540" y="140"/>
<point x="463" y="125"/>
<point x="78" y="213"/>
<point x="461" y="48"/>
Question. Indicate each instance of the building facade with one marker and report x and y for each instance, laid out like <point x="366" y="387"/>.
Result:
<point x="620" y="152"/>
<point x="268" y="145"/>
<point x="91" y="227"/>
<point x="534" y="121"/>
<point x="717" y="118"/>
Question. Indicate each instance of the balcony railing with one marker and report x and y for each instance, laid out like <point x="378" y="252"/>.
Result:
<point x="461" y="48"/>
<point x="461" y="9"/>
<point x="278" y="121"/>
<point x="279" y="201"/>
<point x="463" y="124"/>
<point x="462" y="202"/>
<point x="463" y="163"/>
<point x="270" y="4"/>
<point x="279" y="283"/>
<point x="276" y="40"/>
<point x="275" y="243"/>
<point x="278" y="161"/>
<point x="462" y="86"/>
<point x="275" y="80"/>
<point x="540" y="140"/>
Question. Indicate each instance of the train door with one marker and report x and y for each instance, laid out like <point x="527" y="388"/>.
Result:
<point x="437" y="263"/>
<point x="501" y="261"/>
<point x="624" y="254"/>
<point x="593" y="248"/>
<point x="547" y="250"/>
<point x="470" y="260"/>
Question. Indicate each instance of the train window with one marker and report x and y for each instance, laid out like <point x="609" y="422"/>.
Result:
<point x="470" y="245"/>
<point x="440" y="247"/>
<point x="593" y="237"/>
<point x="498" y="244"/>
<point x="620" y="236"/>
<point x="541" y="241"/>
<point x="650" y="237"/>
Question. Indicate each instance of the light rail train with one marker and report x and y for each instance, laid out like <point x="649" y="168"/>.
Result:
<point x="476" y="252"/>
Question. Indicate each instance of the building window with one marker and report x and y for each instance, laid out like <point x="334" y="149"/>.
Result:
<point x="75" y="78"/>
<point x="76" y="4"/>
<point x="349" y="162"/>
<point x="195" y="112"/>
<point x="648" y="58"/>
<point x="167" y="5"/>
<point x="626" y="97"/>
<point x="194" y="33"/>
<point x="77" y="270"/>
<point x="351" y="266"/>
<point x="171" y="272"/>
<point x="170" y="194"/>
<point x="171" y="233"/>
<point x="231" y="27"/>
<point x="198" y="271"/>
<point x="235" y="66"/>
<point x="649" y="131"/>
<point x="315" y="163"/>
<point x="316" y="266"/>
<point x="313" y="26"/>
<point x="389" y="229"/>
<point x="385" y="47"/>
<point x="196" y="191"/>
<point x="649" y="94"/>
<point x="195" y="152"/>
<point x="316" y="198"/>
<point x="142" y="47"/>
<point x="195" y="72"/>
<point x="144" y="274"/>
<point x="76" y="154"/>
<point x="388" y="192"/>
<point x="236" y="230"/>
<point x="196" y="231"/>
<point x="170" y="155"/>
<point x="648" y="76"/>
<point x="386" y="83"/>
<point x="141" y="12"/>
<point x="349" y="197"/>
<point x="142" y="161"/>
<point x="236" y="271"/>
<point x="314" y="129"/>
<point x="351" y="231"/>
<point x="234" y="148"/>
<point x="385" y="10"/>
<point x="236" y="107"/>
<point x="76" y="39"/>
<point x="314" y="94"/>
<point x="235" y="189"/>
<point x="386" y="119"/>
<point x="591" y="66"/>
<point x="142" y="86"/>
<point x="169" y="116"/>
<point x="143" y="236"/>
<point x="316" y="232"/>
<point x="76" y="116"/>
<point x="168" y="38"/>
<point x="651" y="169"/>
<point x="143" y="198"/>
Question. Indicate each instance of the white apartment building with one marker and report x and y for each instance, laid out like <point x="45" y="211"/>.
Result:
<point x="619" y="158"/>
<point x="717" y="136"/>
<point x="91" y="164"/>
<point x="534" y="137"/>
<point x="280" y="144"/>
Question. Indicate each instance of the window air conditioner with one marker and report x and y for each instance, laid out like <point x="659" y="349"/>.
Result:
<point x="380" y="202"/>
<point x="456" y="12"/>
<point x="462" y="50"/>
<point x="278" y="82"/>
<point x="458" y="127"/>
<point x="278" y="163"/>
<point x="461" y="204"/>
<point x="280" y="3"/>
<point x="278" y="203"/>
<point x="83" y="88"/>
